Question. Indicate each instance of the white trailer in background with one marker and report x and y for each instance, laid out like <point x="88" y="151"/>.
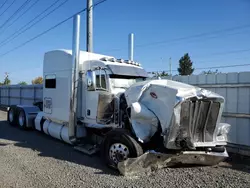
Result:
<point x="97" y="102"/>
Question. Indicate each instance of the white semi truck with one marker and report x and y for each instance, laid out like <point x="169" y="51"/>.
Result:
<point x="120" y="111"/>
<point x="100" y="103"/>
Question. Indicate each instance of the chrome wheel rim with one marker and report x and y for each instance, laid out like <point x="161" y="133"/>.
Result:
<point x="118" y="152"/>
<point x="21" y="119"/>
<point x="11" y="115"/>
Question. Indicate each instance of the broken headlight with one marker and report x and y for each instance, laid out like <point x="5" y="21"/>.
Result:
<point x="223" y="131"/>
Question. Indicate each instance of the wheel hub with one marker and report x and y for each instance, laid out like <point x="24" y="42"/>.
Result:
<point x="118" y="152"/>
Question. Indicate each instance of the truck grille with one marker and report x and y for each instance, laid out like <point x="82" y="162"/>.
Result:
<point x="198" y="119"/>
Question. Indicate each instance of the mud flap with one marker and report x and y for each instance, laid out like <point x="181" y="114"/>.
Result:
<point x="152" y="161"/>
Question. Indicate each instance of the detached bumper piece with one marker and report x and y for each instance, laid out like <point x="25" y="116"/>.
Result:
<point x="152" y="161"/>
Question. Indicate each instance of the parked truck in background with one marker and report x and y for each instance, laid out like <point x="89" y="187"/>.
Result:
<point x="110" y="105"/>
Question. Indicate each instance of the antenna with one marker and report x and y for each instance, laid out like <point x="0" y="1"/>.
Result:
<point x="75" y="76"/>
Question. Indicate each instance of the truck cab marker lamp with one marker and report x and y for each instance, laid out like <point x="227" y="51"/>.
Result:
<point x="120" y="60"/>
<point x="104" y="59"/>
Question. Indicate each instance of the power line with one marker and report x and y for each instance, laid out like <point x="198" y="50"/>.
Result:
<point x="27" y="10"/>
<point x="226" y="53"/>
<point x="205" y="68"/>
<point x="223" y="66"/>
<point x="8" y="7"/>
<point x="230" y="52"/>
<point x="15" y="13"/>
<point x="15" y="34"/>
<point x="187" y="37"/>
<point x="196" y="36"/>
<point x="212" y="37"/>
<point x="3" y="4"/>
<point x="46" y="31"/>
<point x="20" y="29"/>
<point x="2" y="44"/>
<point x="218" y="60"/>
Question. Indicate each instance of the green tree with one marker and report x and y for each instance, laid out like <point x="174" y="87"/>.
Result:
<point x="22" y="83"/>
<point x="38" y="80"/>
<point x="185" y="65"/>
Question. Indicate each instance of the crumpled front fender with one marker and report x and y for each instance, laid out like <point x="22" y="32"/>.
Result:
<point x="144" y="122"/>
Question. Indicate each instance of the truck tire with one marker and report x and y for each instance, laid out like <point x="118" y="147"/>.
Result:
<point x="21" y="118"/>
<point x="11" y="116"/>
<point x="117" y="146"/>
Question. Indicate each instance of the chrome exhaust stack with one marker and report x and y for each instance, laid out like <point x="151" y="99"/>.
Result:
<point x="75" y="76"/>
<point x="131" y="47"/>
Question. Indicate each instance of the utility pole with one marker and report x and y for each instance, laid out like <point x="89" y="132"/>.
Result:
<point x="89" y="26"/>
<point x="6" y="74"/>
<point x="170" y="68"/>
<point x="6" y="79"/>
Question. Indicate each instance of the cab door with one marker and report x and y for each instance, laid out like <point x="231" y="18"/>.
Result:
<point x="100" y="79"/>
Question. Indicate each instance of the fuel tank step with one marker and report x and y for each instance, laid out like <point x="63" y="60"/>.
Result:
<point x="88" y="149"/>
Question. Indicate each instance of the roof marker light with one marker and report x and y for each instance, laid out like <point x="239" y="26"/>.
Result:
<point x="128" y="61"/>
<point x="120" y="60"/>
<point x="104" y="59"/>
<point x="112" y="59"/>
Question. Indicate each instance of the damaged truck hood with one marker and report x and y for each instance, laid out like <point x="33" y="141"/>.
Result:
<point x="189" y="118"/>
<point x="160" y="97"/>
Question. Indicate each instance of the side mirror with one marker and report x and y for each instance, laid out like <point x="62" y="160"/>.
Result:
<point x="91" y="80"/>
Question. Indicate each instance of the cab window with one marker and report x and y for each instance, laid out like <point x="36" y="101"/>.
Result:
<point x="50" y="81"/>
<point x="101" y="82"/>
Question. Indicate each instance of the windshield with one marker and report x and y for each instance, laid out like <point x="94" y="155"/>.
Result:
<point x="118" y="81"/>
<point x="121" y="83"/>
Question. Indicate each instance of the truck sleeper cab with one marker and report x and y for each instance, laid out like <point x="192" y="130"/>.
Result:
<point x="121" y="113"/>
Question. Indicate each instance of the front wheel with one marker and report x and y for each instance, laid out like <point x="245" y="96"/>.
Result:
<point x="117" y="146"/>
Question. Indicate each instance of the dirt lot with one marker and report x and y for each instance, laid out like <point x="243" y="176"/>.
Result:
<point x="32" y="159"/>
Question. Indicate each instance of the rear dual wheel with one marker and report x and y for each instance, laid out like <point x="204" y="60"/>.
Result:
<point x="11" y="116"/>
<point x="16" y="116"/>
<point x="22" y="119"/>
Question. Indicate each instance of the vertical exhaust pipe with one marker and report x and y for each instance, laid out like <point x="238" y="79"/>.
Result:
<point x="89" y="25"/>
<point x="75" y="76"/>
<point x="131" y="47"/>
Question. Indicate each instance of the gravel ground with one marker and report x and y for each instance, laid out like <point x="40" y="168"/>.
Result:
<point x="32" y="159"/>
